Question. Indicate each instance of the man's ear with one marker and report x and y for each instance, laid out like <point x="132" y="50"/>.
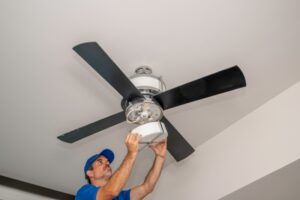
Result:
<point x="89" y="173"/>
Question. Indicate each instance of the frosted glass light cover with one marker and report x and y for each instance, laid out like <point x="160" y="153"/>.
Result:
<point x="152" y="132"/>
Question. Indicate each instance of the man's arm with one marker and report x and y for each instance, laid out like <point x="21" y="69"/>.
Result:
<point x="139" y="192"/>
<point x="120" y="177"/>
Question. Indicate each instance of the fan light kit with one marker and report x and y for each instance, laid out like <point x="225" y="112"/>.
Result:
<point x="144" y="110"/>
<point x="145" y="98"/>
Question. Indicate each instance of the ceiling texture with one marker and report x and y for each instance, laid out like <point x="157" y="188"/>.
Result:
<point x="46" y="89"/>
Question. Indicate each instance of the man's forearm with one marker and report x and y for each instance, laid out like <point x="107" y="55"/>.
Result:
<point x="154" y="173"/>
<point x="120" y="177"/>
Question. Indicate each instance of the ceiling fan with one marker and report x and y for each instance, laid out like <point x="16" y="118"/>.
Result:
<point x="145" y="97"/>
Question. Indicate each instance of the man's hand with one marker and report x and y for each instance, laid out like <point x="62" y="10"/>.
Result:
<point x="132" y="143"/>
<point x="160" y="148"/>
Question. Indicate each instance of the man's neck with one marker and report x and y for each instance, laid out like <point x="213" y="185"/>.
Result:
<point x="99" y="182"/>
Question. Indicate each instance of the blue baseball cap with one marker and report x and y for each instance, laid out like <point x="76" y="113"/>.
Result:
<point x="107" y="153"/>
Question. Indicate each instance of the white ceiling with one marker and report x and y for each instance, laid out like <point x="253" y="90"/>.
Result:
<point x="47" y="89"/>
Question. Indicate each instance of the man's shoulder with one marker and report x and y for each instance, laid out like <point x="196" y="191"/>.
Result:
<point x="87" y="191"/>
<point x="87" y="187"/>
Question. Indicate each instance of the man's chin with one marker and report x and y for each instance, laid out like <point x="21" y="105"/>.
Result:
<point x="108" y="176"/>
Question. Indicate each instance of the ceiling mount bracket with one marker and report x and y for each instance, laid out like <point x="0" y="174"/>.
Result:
<point x="143" y="70"/>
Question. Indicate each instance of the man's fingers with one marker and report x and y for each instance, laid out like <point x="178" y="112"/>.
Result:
<point x="139" y="137"/>
<point x="127" y="138"/>
<point x="135" y="136"/>
<point x="132" y="138"/>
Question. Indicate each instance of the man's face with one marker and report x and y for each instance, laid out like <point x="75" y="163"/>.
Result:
<point x="101" y="169"/>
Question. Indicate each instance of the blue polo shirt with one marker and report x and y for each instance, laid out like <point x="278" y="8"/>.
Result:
<point x="89" y="192"/>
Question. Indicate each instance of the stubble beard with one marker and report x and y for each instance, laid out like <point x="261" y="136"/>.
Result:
<point x="106" y="176"/>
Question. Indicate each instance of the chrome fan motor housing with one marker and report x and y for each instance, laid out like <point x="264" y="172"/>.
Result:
<point x="143" y="110"/>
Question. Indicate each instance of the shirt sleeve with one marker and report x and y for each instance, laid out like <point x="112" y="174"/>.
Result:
<point x="87" y="192"/>
<point x="124" y="195"/>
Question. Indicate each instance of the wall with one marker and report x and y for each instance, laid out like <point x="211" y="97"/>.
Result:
<point x="280" y="185"/>
<point x="257" y="145"/>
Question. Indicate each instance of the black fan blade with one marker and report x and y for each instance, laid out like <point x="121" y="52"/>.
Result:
<point x="222" y="81"/>
<point x="92" y="53"/>
<point x="92" y="128"/>
<point x="178" y="147"/>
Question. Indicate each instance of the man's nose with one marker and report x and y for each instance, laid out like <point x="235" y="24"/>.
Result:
<point x="107" y="164"/>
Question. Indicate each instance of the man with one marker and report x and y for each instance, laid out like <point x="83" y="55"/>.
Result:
<point x="107" y="186"/>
